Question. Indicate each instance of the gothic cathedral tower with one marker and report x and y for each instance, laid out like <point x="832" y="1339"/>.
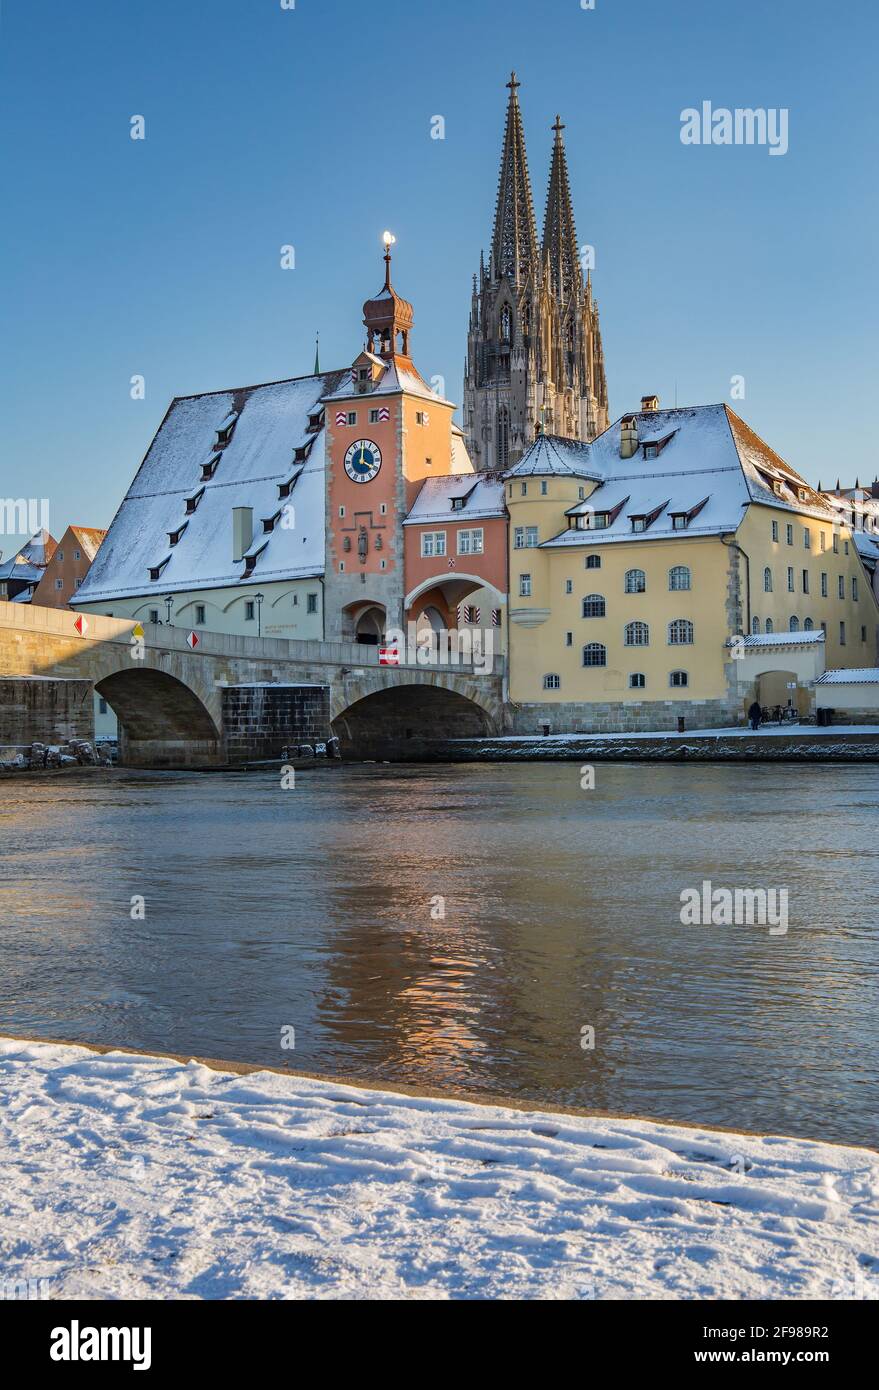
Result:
<point x="534" y="356"/>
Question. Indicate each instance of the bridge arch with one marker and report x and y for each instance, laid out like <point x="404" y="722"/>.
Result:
<point x="162" y="721"/>
<point x="404" y="718"/>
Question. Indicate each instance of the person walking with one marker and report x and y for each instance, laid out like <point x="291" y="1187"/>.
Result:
<point x="755" y="714"/>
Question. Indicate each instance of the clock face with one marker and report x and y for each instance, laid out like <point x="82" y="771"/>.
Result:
<point x="363" y="460"/>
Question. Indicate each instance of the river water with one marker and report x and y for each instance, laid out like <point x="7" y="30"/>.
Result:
<point x="460" y="926"/>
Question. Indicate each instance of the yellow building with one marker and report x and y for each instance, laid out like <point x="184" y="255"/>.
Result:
<point x="675" y="566"/>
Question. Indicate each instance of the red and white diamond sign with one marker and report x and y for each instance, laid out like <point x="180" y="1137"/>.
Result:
<point x="81" y="624"/>
<point x="193" y="640"/>
<point x="388" y="656"/>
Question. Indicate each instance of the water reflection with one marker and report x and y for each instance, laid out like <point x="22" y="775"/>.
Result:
<point x="319" y="908"/>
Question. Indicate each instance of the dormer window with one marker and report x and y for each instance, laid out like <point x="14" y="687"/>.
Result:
<point x="458" y="504"/>
<point x="156" y="570"/>
<point x="192" y="502"/>
<point x="224" y="431"/>
<point x="174" y="536"/>
<point x="315" y="421"/>
<point x="639" y="523"/>
<point x="650" y="451"/>
<point x="679" y="521"/>
<point x="600" y="521"/>
<point x="802" y="494"/>
<point x="778" y="487"/>
<point x="209" y="469"/>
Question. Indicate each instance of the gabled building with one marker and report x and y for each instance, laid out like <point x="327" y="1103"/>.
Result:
<point x="334" y="506"/>
<point x="534" y="355"/>
<point x="675" y="566"/>
<point x="22" y="572"/>
<point x="68" y="566"/>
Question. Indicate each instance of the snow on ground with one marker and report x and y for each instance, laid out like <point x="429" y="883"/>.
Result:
<point x="130" y="1176"/>
<point x="790" y="730"/>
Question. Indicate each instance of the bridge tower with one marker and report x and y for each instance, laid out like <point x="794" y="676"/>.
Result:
<point x="386" y="432"/>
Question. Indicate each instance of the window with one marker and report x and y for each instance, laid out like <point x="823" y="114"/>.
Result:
<point x="808" y="625"/>
<point x="60" y="554"/>
<point x="311" y="603"/>
<point x="824" y="584"/>
<point x="581" y="493"/>
<point x="790" y="535"/>
<point x="805" y="581"/>
<point x="635" y="582"/>
<point x="76" y="555"/>
<point x="775" y="530"/>
<point x="59" y="583"/>
<point x="637" y="635"/>
<point x="794" y="624"/>
<point x="770" y="626"/>
<point x="569" y="639"/>
<point x="807" y="538"/>
<point x="102" y="705"/>
<point x="352" y="417"/>
<point x="845" y="546"/>
<point x="341" y="512"/>
<point x="199" y="613"/>
<point x="470" y="542"/>
<point x="433" y="543"/>
<point x="679" y="578"/>
<point x="544" y="487"/>
<point x="639" y="523"/>
<point x="249" y="608"/>
<point x="650" y="451"/>
<point x="677" y="679"/>
<point x="523" y="490"/>
<point x="77" y="583"/>
<point x="822" y="541"/>
<point x="767" y="580"/>
<point x="524" y="585"/>
<point x="840" y="585"/>
<point x="835" y="544"/>
<point x="842" y="634"/>
<point x="790" y="579"/>
<point x="552" y="682"/>
<point x="679" y="521"/>
<point x="525" y="537"/>
<point x="637" y="680"/>
<point x="154" y="615"/>
<point x="458" y="504"/>
<point x="373" y="417"/>
<point x="419" y="417"/>
<point x="428" y="463"/>
<point x="594" y="606"/>
<point x="854" y="589"/>
<point x="863" y="634"/>
<point x="680" y="632"/>
<point x="594" y="654"/>
<point x="383" y="509"/>
<point x="593" y="562"/>
<point x="569" y="586"/>
<point x="755" y="626"/>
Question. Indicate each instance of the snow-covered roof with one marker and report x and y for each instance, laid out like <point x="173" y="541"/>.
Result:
<point x="858" y="675"/>
<point x="483" y="494"/>
<point x="398" y="374"/>
<point x="554" y="456"/>
<point x="271" y="422"/>
<point x="780" y="639"/>
<point x="710" y="460"/>
<point x="89" y="539"/>
<point x="30" y="561"/>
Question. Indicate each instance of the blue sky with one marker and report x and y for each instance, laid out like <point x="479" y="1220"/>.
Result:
<point x="311" y="127"/>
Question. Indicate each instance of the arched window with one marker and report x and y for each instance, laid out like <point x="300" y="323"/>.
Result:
<point x="678" y="678"/>
<point x="680" y="632"/>
<point x="637" y="680"/>
<point x="594" y="654"/>
<point x="552" y="682"/>
<point x="594" y="606"/>
<point x="503" y="438"/>
<point x="808" y="625"/>
<point x="767" y="580"/>
<point x="506" y="324"/>
<point x="794" y="624"/>
<point x="635" y="582"/>
<point x="769" y="625"/>
<point x="593" y="562"/>
<point x="637" y="634"/>
<point x="679" y="577"/>
<point x="755" y="626"/>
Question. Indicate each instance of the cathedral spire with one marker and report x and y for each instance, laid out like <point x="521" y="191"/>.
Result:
<point x="559" y="233"/>
<point x="514" y="247"/>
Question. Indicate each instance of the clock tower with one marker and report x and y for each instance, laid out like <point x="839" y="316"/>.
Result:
<point x="385" y="431"/>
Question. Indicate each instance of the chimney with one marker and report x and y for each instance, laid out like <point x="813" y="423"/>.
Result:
<point x="628" y="436"/>
<point x="649" y="404"/>
<point x="242" y="531"/>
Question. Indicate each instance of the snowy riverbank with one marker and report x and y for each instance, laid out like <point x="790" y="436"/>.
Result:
<point x="128" y="1176"/>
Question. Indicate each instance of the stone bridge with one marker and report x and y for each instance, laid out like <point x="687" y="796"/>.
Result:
<point x="230" y="699"/>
